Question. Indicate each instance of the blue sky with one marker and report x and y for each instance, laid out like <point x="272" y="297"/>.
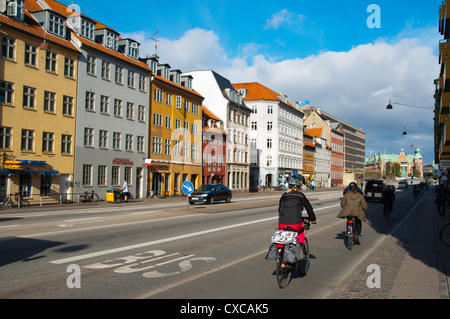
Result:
<point x="323" y="52"/>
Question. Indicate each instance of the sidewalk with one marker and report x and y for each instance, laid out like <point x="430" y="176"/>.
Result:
<point x="413" y="261"/>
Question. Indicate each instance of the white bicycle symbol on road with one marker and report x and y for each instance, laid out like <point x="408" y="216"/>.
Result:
<point x="139" y="262"/>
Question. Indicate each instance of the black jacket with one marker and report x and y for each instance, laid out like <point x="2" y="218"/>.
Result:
<point x="291" y="206"/>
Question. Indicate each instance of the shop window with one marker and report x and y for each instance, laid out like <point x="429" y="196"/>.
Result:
<point x="46" y="185"/>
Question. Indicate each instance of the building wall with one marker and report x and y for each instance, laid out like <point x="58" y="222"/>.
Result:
<point x="18" y="117"/>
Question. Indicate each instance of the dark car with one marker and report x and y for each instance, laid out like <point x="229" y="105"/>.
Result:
<point x="347" y="189"/>
<point x="373" y="189"/>
<point x="210" y="194"/>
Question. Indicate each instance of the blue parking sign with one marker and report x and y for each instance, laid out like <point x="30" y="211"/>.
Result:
<point x="187" y="187"/>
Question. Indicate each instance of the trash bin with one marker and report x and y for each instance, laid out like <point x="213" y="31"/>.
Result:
<point x="110" y="195"/>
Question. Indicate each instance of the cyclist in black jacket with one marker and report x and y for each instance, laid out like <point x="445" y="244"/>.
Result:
<point x="290" y="209"/>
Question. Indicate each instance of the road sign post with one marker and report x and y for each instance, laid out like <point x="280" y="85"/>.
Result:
<point x="187" y="188"/>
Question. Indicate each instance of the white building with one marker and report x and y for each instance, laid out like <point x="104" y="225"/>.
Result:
<point x="322" y="159"/>
<point x="223" y="100"/>
<point x="276" y="135"/>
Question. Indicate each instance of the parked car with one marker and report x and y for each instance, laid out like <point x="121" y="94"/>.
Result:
<point x="210" y="193"/>
<point x="347" y="189"/>
<point x="373" y="189"/>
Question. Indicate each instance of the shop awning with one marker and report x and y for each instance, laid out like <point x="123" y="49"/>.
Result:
<point x="34" y="172"/>
<point x="4" y="171"/>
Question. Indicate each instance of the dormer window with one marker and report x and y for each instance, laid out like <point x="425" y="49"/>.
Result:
<point x="57" y="25"/>
<point x="13" y="8"/>
<point x="112" y="40"/>
<point x="133" y="50"/>
<point x="87" y="29"/>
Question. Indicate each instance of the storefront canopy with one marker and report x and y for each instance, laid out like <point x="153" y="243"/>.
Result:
<point x="33" y="172"/>
<point x="4" y="171"/>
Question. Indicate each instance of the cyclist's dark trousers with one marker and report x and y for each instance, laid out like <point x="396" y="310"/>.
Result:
<point x="441" y="207"/>
<point x="358" y="226"/>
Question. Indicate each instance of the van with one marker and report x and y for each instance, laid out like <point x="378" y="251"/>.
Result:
<point x="373" y="189"/>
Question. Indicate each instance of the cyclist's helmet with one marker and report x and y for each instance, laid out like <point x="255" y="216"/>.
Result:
<point x="352" y="186"/>
<point x="295" y="182"/>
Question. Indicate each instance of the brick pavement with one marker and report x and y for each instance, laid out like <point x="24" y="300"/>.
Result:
<point x="413" y="262"/>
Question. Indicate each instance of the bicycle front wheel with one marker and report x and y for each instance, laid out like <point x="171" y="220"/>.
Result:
<point x="444" y="235"/>
<point x="303" y="265"/>
<point x="283" y="274"/>
<point x="349" y="236"/>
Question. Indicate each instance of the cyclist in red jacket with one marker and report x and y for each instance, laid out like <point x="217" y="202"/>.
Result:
<point x="290" y="209"/>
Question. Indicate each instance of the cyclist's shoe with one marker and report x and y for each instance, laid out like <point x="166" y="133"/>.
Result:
<point x="357" y="241"/>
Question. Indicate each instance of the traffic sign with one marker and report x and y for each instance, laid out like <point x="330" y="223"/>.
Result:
<point x="187" y="187"/>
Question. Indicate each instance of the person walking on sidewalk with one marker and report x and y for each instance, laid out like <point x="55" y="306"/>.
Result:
<point x="441" y="200"/>
<point x="126" y="191"/>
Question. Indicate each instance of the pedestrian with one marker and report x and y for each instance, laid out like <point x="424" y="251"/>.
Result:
<point x="125" y="190"/>
<point x="441" y="200"/>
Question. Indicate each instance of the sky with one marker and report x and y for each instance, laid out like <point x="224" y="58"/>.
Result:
<point x="350" y="58"/>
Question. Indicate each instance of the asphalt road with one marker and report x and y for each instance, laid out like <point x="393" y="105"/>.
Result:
<point x="165" y="250"/>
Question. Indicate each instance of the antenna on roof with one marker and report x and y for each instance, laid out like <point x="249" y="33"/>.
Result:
<point x="154" y="38"/>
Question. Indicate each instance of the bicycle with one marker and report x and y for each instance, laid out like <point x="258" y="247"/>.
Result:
<point x="89" y="197"/>
<point x="444" y="235"/>
<point x="387" y="209"/>
<point x="283" y="267"/>
<point x="7" y="203"/>
<point x="351" y="235"/>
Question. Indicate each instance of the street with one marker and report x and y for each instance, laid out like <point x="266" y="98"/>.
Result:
<point x="165" y="250"/>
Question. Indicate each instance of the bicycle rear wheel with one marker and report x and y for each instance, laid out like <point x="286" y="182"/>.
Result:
<point x="349" y="236"/>
<point x="303" y="265"/>
<point x="444" y="235"/>
<point x="283" y="273"/>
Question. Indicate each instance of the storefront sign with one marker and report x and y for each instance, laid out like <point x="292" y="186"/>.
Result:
<point x="12" y="164"/>
<point x="28" y="162"/>
<point x="121" y="161"/>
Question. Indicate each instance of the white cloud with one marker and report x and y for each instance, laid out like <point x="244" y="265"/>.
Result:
<point x="283" y="18"/>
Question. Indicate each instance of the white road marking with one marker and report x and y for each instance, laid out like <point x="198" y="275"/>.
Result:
<point x="164" y="240"/>
<point x="80" y="219"/>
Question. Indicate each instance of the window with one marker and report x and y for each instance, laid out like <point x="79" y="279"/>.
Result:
<point x="178" y="124"/>
<point x="186" y="106"/>
<point x="67" y="105"/>
<point x="27" y="140"/>
<point x="111" y="40"/>
<point x="177" y="148"/>
<point x="87" y="29"/>
<point x="269" y="143"/>
<point x="141" y="113"/>
<point x="194" y="129"/>
<point x="157" y="95"/>
<point x="103" y="139"/>
<point x="49" y="102"/>
<point x="169" y="99"/>
<point x="91" y="65"/>
<point x="30" y="55"/>
<point x="119" y="75"/>
<point x="104" y="104"/>
<point x="194" y="151"/>
<point x="254" y="126"/>
<point x="105" y="70"/>
<point x="47" y="142"/>
<point x="269" y="126"/>
<point x="127" y="174"/>
<point x="142" y="82"/>
<point x="168" y="122"/>
<point x="87" y="175"/>
<point x="8" y="48"/>
<point x="131" y="79"/>
<point x="66" y="144"/>
<point x="29" y="97"/>
<point x="269" y="160"/>
<point x="69" y="67"/>
<point x="115" y="174"/>
<point x="101" y="178"/>
<point x="116" y="140"/>
<point x="186" y="126"/>
<point x="255" y="109"/>
<point x="6" y="92"/>
<point x="129" y="142"/>
<point x="167" y="145"/>
<point x="50" y="61"/>
<point x="130" y="111"/>
<point x="156" y="145"/>
<point x="88" y="137"/>
<point x="140" y="144"/>
<point x="5" y="138"/>
<point x="178" y="102"/>
<point x="25" y="185"/>
<point x="57" y="25"/>
<point x="90" y="101"/>
<point x="157" y="119"/>
<point x="185" y="149"/>
<point x="195" y="108"/>
<point x="269" y="109"/>
<point x="117" y="108"/>
<point x="46" y="185"/>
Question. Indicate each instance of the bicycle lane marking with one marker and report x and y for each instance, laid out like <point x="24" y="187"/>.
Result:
<point x="164" y="240"/>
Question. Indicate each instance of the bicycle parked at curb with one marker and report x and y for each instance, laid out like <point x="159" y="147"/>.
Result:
<point x="89" y="197"/>
<point x="297" y="259"/>
<point x="9" y="203"/>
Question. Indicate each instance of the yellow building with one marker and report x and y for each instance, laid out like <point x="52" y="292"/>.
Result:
<point x="175" y="145"/>
<point x="38" y="91"/>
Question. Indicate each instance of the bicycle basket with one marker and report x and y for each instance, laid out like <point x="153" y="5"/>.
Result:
<point x="284" y="237"/>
